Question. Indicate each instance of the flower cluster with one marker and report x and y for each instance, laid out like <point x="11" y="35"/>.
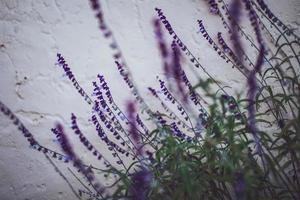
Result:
<point x="195" y="98"/>
<point x="90" y="194"/>
<point x="176" y="72"/>
<point x="106" y="88"/>
<point x="270" y="14"/>
<point x="213" y="6"/>
<point x="133" y="133"/>
<point x="127" y="78"/>
<point x="203" y="116"/>
<point x="102" y="102"/>
<point x="141" y="124"/>
<point x="174" y="69"/>
<point x="62" y="63"/>
<point x="237" y="26"/>
<point x="67" y="148"/>
<point x="211" y="42"/>
<point x="235" y="13"/>
<point x="117" y="55"/>
<point x="124" y="74"/>
<point x="140" y="184"/>
<point x="108" y="124"/>
<point x="111" y="145"/>
<point x="178" y="133"/>
<point x="114" y="106"/>
<point x="164" y="21"/>
<point x="160" y="119"/>
<point x="232" y="106"/>
<point x="225" y="49"/>
<point x="174" y="128"/>
<point x="182" y="46"/>
<point x="96" y="6"/>
<point x="107" y="33"/>
<point x="251" y="81"/>
<point x="171" y="98"/>
<point x="83" y="139"/>
<point x="26" y="133"/>
<point x="165" y="107"/>
<point x="223" y="44"/>
<point x="255" y="24"/>
<point x="232" y="55"/>
<point x="114" y="118"/>
<point x="30" y="138"/>
<point x="162" y="46"/>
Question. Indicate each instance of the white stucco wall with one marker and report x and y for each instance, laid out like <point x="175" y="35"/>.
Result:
<point x="33" y="31"/>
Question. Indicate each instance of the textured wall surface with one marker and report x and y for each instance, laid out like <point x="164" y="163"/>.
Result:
<point x="33" y="31"/>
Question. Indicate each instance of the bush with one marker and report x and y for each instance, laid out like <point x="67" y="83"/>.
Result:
<point x="234" y="147"/>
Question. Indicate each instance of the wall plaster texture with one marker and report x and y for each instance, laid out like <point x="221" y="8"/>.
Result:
<point x="33" y="31"/>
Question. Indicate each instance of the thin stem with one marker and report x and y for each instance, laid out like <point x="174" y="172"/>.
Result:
<point x="283" y="35"/>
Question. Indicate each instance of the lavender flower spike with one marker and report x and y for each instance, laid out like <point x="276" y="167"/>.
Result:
<point x="252" y="78"/>
<point x="235" y="12"/>
<point x="162" y="46"/>
<point x="134" y="134"/>
<point x="62" y="63"/>
<point x="213" y="6"/>
<point x="67" y="148"/>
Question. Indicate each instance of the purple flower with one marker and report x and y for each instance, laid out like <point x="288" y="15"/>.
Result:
<point x="150" y="156"/>
<point x="106" y="88"/>
<point x="111" y="145"/>
<point x="120" y="61"/>
<point x="237" y="60"/>
<point x="62" y="63"/>
<point x="270" y="14"/>
<point x="255" y="24"/>
<point x="160" y="119"/>
<point x="133" y="131"/>
<point x="140" y="184"/>
<point x="193" y="95"/>
<point x="160" y="39"/>
<point x="213" y="6"/>
<point x="170" y="97"/>
<point x="96" y="6"/>
<point x="251" y="80"/>
<point x="239" y="185"/>
<point x="176" y="71"/>
<point x="252" y="85"/>
<point x="162" y="46"/>
<point x="181" y="45"/>
<point x="124" y="74"/>
<point x="108" y="123"/>
<point x="211" y="41"/>
<point x="26" y="133"/>
<point x="83" y="139"/>
<point x="225" y="97"/>
<point x="67" y="148"/>
<point x="153" y="92"/>
<point x="164" y="21"/>
<point x="223" y="43"/>
<point x="141" y="124"/>
<point x="178" y="133"/>
<point x="235" y="13"/>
